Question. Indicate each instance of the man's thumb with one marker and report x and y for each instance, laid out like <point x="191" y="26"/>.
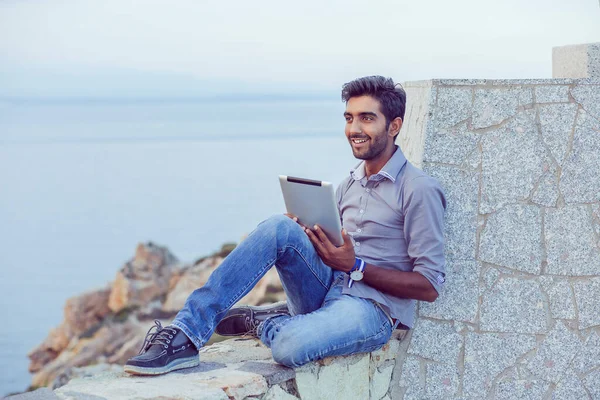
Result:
<point x="346" y="237"/>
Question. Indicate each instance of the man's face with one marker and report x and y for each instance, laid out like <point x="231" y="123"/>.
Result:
<point x="366" y="128"/>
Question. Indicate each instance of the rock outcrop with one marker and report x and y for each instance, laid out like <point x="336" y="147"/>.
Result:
<point x="108" y="325"/>
<point x="142" y="279"/>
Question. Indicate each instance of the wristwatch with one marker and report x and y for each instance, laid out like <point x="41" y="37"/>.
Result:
<point x="357" y="272"/>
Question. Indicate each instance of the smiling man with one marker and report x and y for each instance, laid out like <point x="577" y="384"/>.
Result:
<point x="340" y="300"/>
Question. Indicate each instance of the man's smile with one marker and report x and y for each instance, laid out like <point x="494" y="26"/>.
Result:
<point x="359" y="140"/>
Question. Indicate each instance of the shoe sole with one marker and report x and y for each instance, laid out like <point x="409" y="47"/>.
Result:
<point x="274" y="306"/>
<point x="174" y="365"/>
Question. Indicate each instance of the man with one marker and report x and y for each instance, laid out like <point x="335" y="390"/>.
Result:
<point x="392" y="217"/>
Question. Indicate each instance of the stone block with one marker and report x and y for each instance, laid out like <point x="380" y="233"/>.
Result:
<point x="493" y="106"/>
<point x="562" y="301"/>
<point x="441" y="381"/>
<point x="521" y="389"/>
<point x="556" y="123"/>
<point x="389" y="351"/>
<point x="437" y="341"/>
<point x="460" y="82"/>
<point x="237" y="385"/>
<point x="235" y="351"/>
<point x="450" y="145"/>
<point x="454" y="105"/>
<point x="487" y="355"/>
<point x="277" y="393"/>
<point x="570" y="242"/>
<point x="576" y="61"/>
<point x="552" y="94"/>
<point x="521" y="82"/>
<point x="569" y="387"/>
<point x="120" y="386"/>
<point x="596" y="219"/>
<point x="410" y="379"/>
<point x="555" y="353"/>
<point x="272" y="372"/>
<point x="347" y="378"/>
<point x="383" y="363"/>
<point x="460" y="298"/>
<point x="512" y="238"/>
<point x="473" y="160"/>
<point x="39" y="394"/>
<point x="420" y="97"/>
<point x="592" y="383"/>
<point x="589" y="356"/>
<point x="579" y="181"/>
<point x="380" y="380"/>
<point x="588" y="301"/>
<point x="489" y="278"/>
<point x="547" y="191"/>
<point x="513" y="161"/>
<point x="460" y="188"/>
<point x="514" y="305"/>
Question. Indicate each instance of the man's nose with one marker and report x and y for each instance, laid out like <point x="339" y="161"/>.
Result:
<point x="355" y="127"/>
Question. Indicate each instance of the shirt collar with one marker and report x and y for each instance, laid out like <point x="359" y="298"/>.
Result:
<point x="390" y="170"/>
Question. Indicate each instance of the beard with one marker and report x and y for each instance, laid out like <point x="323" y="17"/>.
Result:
<point x="375" y="146"/>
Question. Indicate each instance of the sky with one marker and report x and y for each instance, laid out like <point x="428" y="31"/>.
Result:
<point x="205" y="47"/>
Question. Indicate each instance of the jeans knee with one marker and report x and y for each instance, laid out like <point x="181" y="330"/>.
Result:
<point x="279" y="225"/>
<point x="285" y="356"/>
<point x="279" y="221"/>
<point x="287" y="351"/>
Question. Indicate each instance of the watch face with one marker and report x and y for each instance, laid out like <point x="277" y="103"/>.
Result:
<point x="356" y="275"/>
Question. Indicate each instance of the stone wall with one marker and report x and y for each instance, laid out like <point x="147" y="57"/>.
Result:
<point x="241" y="369"/>
<point x="520" y="164"/>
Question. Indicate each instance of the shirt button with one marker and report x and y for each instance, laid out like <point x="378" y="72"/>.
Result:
<point x="361" y="211"/>
<point x="368" y="190"/>
<point x="357" y="243"/>
<point x="359" y="230"/>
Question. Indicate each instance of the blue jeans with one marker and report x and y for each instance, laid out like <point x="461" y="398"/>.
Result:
<point x="323" y="322"/>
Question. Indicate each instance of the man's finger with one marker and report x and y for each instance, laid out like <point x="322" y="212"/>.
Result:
<point x="347" y="239"/>
<point x="315" y="240"/>
<point x="291" y="216"/>
<point x="321" y="235"/>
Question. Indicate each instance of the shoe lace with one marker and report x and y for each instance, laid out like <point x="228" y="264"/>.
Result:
<point x="251" y="325"/>
<point x="161" y="336"/>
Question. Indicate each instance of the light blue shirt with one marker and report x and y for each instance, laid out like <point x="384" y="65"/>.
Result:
<point x="396" y="221"/>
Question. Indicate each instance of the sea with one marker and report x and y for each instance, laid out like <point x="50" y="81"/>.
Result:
<point x="83" y="181"/>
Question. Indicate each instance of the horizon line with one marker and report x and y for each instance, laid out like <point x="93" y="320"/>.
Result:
<point x="224" y="97"/>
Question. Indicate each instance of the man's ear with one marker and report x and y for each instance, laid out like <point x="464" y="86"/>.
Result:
<point x="395" y="126"/>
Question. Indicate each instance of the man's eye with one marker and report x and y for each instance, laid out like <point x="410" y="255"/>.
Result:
<point x="348" y="119"/>
<point x="368" y="118"/>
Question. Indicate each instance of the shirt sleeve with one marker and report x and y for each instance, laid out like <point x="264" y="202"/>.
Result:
<point x="424" y="205"/>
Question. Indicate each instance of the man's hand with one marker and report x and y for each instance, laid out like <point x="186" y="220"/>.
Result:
<point x="291" y="216"/>
<point x="295" y="219"/>
<point x="340" y="258"/>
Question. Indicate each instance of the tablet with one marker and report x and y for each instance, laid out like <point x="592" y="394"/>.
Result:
<point x="313" y="202"/>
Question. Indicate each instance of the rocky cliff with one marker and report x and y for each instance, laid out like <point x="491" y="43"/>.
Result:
<point x="108" y="325"/>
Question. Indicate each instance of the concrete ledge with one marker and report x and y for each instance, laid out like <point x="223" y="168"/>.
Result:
<point x="243" y="369"/>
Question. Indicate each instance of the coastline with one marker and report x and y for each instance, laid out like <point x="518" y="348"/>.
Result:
<point x="105" y="327"/>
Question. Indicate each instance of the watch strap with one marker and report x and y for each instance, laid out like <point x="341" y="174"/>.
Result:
<point x="359" y="265"/>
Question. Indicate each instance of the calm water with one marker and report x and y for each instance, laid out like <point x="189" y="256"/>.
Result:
<point x="82" y="184"/>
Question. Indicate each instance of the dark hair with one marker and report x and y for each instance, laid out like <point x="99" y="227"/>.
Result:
<point x="392" y="97"/>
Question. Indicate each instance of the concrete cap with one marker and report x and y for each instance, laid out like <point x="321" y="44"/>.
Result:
<point x="576" y="61"/>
